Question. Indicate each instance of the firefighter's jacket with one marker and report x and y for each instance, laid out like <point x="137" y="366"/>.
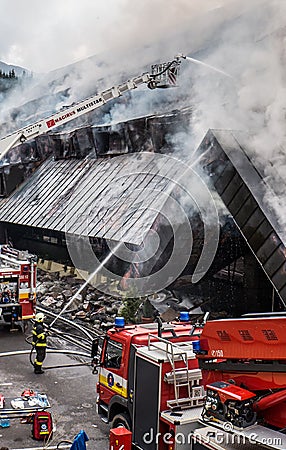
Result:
<point x="39" y="335"/>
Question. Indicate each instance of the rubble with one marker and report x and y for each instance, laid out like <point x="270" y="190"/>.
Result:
<point x="91" y="306"/>
<point x="99" y="310"/>
<point x="48" y="301"/>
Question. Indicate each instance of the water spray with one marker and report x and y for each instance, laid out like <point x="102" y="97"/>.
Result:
<point x="106" y="259"/>
<point x="208" y="66"/>
<point x="200" y="157"/>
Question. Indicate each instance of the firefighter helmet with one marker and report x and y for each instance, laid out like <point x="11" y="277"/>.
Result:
<point x="39" y="317"/>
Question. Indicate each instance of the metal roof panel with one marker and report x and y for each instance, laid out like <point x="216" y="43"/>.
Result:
<point x="117" y="198"/>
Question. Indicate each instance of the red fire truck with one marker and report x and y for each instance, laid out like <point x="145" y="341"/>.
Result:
<point x="146" y="370"/>
<point x="18" y="272"/>
<point x="151" y="383"/>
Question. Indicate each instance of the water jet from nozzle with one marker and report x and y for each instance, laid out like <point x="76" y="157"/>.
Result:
<point x="92" y="275"/>
<point x="201" y="63"/>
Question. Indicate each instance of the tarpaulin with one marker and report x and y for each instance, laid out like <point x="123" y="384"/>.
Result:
<point x="79" y="441"/>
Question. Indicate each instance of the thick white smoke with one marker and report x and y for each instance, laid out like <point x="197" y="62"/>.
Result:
<point x="126" y="36"/>
<point x="244" y="39"/>
<point x="43" y="37"/>
<point x="251" y="49"/>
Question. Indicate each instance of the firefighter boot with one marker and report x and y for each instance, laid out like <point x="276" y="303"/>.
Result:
<point x="38" y="369"/>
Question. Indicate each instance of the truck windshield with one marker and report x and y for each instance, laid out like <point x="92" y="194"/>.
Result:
<point x="113" y="355"/>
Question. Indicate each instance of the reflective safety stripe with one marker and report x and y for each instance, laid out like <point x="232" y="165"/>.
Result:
<point x="38" y="363"/>
<point x="41" y="345"/>
<point x="34" y="332"/>
<point x="24" y="295"/>
<point x="41" y="335"/>
<point x="122" y="391"/>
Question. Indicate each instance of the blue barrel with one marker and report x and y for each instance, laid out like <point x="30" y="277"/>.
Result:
<point x="184" y="316"/>
<point x="196" y="346"/>
<point x="119" y="322"/>
<point x="5" y="422"/>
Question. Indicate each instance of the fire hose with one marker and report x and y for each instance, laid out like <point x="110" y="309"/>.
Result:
<point x="31" y="352"/>
<point x="86" y="343"/>
<point x="88" y="333"/>
<point x="51" y="350"/>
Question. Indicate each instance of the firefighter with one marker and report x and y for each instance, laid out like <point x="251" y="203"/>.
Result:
<point x="39" y="342"/>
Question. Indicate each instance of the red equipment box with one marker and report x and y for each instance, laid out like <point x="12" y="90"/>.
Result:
<point x="42" y="425"/>
<point x="120" y="438"/>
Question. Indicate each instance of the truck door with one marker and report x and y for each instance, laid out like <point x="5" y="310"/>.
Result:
<point x="111" y="373"/>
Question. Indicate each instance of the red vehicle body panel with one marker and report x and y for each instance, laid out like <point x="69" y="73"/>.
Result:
<point x="245" y="338"/>
<point x="231" y="392"/>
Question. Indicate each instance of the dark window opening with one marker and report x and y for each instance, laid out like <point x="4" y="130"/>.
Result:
<point x="113" y="355"/>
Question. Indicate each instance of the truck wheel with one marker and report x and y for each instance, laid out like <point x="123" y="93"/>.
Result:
<point x="121" y="420"/>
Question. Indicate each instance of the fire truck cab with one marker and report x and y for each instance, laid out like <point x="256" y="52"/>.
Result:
<point x="17" y="284"/>
<point x="145" y="370"/>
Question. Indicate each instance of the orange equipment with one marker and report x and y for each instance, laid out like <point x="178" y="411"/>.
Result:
<point x="249" y="351"/>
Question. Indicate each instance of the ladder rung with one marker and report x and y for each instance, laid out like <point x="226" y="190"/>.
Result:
<point x="185" y="402"/>
<point x="192" y="375"/>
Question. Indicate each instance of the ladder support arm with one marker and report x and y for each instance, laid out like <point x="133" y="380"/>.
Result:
<point x="76" y="110"/>
<point x="68" y="114"/>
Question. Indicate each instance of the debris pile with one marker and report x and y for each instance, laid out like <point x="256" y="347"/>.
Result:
<point x="99" y="310"/>
<point x="90" y="305"/>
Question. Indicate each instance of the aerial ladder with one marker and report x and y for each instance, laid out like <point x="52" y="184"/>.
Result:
<point x="163" y="75"/>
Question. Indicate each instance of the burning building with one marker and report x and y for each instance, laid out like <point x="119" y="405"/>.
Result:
<point x="97" y="190"/>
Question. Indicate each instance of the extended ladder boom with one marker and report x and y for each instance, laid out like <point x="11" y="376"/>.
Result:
<point x="160" y="72"/>
<point x="68" y="114"/>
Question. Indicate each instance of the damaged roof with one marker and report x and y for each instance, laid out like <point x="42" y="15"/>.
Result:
<point x="254" y="193"/>
<point x="116" y="199"/>
<point x="261" y="177"/>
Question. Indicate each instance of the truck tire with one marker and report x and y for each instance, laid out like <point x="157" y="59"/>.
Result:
<point x="121" y="420"/>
